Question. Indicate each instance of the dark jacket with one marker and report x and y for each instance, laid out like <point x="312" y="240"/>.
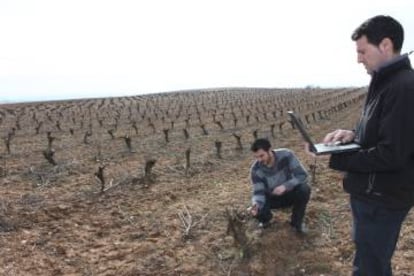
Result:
<point x="383" y="171"/>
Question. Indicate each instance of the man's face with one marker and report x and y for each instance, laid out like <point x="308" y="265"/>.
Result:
<point x="263" y="157"/>
<point x="369" y="55"/>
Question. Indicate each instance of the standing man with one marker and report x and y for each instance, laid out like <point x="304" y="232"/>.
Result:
<point x="380" y="176"/>
<point x="279" y="180"/>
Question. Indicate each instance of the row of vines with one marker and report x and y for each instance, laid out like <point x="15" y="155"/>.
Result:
<point x="173" y="130"/>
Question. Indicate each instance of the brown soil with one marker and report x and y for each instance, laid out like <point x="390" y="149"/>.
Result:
<point x="54" y="220"/>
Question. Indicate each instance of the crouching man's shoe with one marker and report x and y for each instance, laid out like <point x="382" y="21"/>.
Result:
<point x="263" y="225"/>
<point x="300" y="229"/>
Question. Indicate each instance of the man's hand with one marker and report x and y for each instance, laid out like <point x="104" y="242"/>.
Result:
<point x="341" y="135"/>
<point x="254" y="210"/>
<point x="279" y="190"/>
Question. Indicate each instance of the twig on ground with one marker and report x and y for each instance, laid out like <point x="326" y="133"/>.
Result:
<point x="187" y="221"/>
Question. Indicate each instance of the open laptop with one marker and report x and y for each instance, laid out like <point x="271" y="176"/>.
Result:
<point x="319" y="149"/>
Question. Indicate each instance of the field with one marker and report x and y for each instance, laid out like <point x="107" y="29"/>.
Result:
<point x="159" y="185"/>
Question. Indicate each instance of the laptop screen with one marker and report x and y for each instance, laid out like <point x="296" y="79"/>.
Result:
<point x="302" y="130"/>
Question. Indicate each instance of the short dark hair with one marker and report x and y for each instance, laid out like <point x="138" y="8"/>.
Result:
<point x="379" y="27"/>
<point x="260" y="143"/>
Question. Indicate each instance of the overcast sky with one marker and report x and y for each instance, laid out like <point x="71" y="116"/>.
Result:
<point x="58" y="49"/>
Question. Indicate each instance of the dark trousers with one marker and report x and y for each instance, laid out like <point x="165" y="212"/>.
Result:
<point x="375" y="233"/>
<point x="297" y="198"/>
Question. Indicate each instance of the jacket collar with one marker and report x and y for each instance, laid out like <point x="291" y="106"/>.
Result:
<point x="396" y="64"/>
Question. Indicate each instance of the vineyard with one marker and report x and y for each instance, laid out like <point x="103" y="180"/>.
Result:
<point x="159" y="185"/>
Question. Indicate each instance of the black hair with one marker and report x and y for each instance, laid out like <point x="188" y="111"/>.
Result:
<point x="379" y="27"/>
<point x="260" y="143"/>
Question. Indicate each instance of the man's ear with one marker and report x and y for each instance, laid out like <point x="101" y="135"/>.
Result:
<point x="386" y="46"/>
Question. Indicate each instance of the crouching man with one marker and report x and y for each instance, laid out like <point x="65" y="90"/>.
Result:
<point x="279" y="180"/>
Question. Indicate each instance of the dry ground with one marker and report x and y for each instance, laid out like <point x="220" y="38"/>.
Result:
<point x="55" y="221"/>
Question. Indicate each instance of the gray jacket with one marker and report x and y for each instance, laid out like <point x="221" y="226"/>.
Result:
<point x="287" y="171"/>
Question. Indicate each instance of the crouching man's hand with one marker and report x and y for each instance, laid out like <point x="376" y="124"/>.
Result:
<point x="254" y="210"/>
<point x="279" y="190"/>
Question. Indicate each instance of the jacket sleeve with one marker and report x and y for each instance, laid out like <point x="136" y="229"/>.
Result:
<point x="395" y="137"/>
<point x="259" y="188"/>
<point x="298" y="173"/>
